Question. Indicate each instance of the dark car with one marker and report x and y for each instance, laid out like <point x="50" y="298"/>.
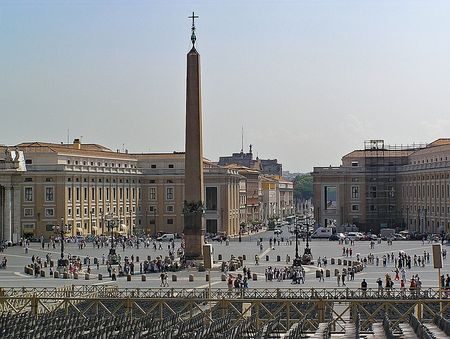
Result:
<point x="334" y="237"/>
<point x="219" y="238"/>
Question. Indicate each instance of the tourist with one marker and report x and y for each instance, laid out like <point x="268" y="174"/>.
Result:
<point x="364" y="287"/>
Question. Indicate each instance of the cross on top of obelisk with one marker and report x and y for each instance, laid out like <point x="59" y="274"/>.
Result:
<point x="193" y="37"/>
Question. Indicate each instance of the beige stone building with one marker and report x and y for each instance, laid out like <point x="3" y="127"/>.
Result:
<point x="80" y="185"/>
<point x="74" y="185"/>
<point x="403" y="187"/>
<point x="161" y="207"/>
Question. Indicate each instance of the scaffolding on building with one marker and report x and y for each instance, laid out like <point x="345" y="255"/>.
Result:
<point x="381" y="165"/>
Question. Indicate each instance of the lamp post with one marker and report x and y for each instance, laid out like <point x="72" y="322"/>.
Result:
<point x="59" y="230"/>
<point x="307" y="255"/>
<point x="297" y="261"/>
<point x="110" y="224"/>
<point x="103" y="222"/>
<point x="154" y="218"/>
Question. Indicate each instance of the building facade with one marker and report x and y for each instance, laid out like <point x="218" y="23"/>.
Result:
<point x="381" y="186"/>
<point x="82" y="185"/>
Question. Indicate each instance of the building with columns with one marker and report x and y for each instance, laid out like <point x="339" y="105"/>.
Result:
<point x="402" y="187"/>
<point x="12" y="165"/>
<point x="73" y="184"/>
<point x="43" y="185"/>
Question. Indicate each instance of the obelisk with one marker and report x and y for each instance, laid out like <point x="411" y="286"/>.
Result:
<point x="193" y="180"/>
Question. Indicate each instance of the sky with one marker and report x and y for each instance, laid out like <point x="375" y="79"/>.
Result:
<point x="307" y="81"/>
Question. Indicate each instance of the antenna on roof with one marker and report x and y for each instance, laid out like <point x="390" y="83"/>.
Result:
<point x="68" y="136"/>
<point x="242" y="139"/>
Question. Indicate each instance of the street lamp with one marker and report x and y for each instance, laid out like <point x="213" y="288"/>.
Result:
<point x="307" y="255"/>
<point x="110" y="225"/>
<point x="60" y="230"/>
<point x="297" y="261"/>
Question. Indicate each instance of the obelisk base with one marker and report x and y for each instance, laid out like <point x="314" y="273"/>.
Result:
<point x="193" y="236"/>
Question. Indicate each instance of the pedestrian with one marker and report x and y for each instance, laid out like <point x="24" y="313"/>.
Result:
<point x="364" y="287"/>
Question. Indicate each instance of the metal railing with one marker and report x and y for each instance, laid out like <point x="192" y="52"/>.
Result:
<point x="339" y="294"/>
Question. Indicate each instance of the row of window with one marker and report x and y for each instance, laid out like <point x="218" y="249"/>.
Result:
<point x="99" y="190"/>
<point x="152" y="193"/>
<point x="49" y="212"/>
<point x="422" y="191"/>
<point x="105" y="164"/>
<point x="49" y="194"/>
<point x="427" y="160"/>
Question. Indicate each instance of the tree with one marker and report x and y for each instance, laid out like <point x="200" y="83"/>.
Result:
<point x="303" y="187"/>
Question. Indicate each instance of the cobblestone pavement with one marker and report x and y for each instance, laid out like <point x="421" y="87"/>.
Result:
<point x="14" y="276"/>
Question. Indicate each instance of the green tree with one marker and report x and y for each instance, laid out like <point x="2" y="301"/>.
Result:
<point x="303" y="187"/>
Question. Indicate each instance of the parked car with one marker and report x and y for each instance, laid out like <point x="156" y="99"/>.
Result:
<point x="219" y="237"/>
<point x="334" y="237"/>
<point x="399" y="237"/>
<point x="166" y="237"/>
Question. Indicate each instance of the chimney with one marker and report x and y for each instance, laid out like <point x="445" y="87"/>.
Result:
<point x="76" y="144"/>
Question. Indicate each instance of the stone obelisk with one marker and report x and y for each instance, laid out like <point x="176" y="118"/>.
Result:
<point x="193" y="180"/>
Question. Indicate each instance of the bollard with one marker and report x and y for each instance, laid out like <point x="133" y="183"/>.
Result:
<point x="174" y="277"/>
<point x="45" y="264"/>
<point x="219" y="257"/>
<point x="75" y="275"/>
<point x="86" y="276"/>
<point x="95" y="261"/>
<point x="224" y="277"/>
<point x="332" y="261"/>
<point x="327" y="273"/>
<point x="267" y="258"/>
<point x="254" y="277"/>
<point x="143" y="277"/>
<point x="100" y="276"/>
<point x="65" y="275"/>
<point x="207" y="277"/>
<point x="244" y="257"/>
<point x="43" y="274"/>
<point x="191" y="277"/>
<point x="128" y="277"/>
<point x="317" y="273"/>
<point x="344" y="262"/>
<point x="56" y="274"/>
<point x="336" y="272"/>
<point x="137" y="260"/>
<point x="52" y="263"/>
<point x="278" y="258"/>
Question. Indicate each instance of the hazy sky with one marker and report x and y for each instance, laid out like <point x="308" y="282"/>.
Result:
<point x="308" y="80"/>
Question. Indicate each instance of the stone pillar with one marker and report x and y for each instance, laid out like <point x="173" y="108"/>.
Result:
<point x="7" y="225"/>
<point x="193" y="180"/>
<point x="16" y="216"/>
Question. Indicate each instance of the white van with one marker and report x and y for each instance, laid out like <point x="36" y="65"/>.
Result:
<point x="322" y="232"/>
<point x="353" y="235"/>
<point x="166" y="237"/>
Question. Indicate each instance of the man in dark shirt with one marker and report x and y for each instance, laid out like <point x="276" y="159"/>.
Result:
<point x="364" y="287"/>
